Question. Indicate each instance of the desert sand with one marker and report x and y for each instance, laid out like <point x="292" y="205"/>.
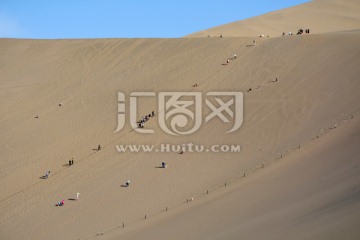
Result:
<point x="299" y="138"/>
<point x="300" y="198"/>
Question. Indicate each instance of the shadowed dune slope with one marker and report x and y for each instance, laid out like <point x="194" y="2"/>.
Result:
<point x="313" y="194"/>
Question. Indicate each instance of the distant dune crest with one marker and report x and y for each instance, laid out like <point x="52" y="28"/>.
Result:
<point x="320" y="16"/>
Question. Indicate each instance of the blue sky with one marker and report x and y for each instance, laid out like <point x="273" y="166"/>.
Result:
<point x="49" y="19"/>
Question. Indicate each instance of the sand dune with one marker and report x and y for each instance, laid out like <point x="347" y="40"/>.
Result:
<point x="320" y="16"/>
<point x="302" y="197"/>
<point x="317" y="88"/>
